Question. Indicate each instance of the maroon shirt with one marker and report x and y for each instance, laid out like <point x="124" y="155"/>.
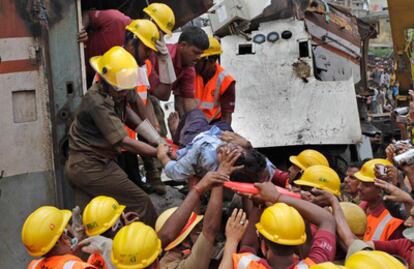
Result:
<point x="184" y="85"/>
<point x="401" y="247"/>
<point x="280" y="178"/>
<point x="106" y="29"/>
<point x="323" y="249"/>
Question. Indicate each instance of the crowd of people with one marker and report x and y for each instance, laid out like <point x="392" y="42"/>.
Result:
<point x="306" y="217"/>
<point x="384" y="87"/>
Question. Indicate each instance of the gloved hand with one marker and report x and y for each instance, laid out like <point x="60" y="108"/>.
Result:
<point x="101" y="245"/>
<point x="77" y="226"/>
<point x="165" y="65"/>
<point x="162" y="47"/>
<point x="147" y="131"/>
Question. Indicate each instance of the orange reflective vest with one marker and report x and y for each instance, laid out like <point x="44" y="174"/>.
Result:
<point x="208" y="96"/>
<point x="96" y="260"/>
<point x="247" y="261"/>
<point x="60" y="262"/>
<point x="304" y="264"/>
<point x="142" y="91"/>
<point x="381" y="227"/>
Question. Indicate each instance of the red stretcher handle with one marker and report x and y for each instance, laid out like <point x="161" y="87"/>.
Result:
<point x="250" y="188"/>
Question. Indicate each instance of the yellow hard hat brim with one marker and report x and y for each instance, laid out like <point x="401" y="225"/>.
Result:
<point x="67" y="214"/>
<point x="361" y="177"/>
<point x="104" y="228"/>
<point x="142" y="39"/>
<point x="184" y="235"/>
<point x="95" y="63"/>
<point x="210" y="54"/>
<point x="301" y="182"/>
<point x="295" y="161"/>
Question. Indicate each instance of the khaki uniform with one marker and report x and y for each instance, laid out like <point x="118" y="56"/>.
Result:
<point x="94" y="143"/>
<point x="200" y="256"/>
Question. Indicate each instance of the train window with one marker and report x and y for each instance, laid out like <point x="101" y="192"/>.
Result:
<point x="245" y="49"/>
<point x="304" y="49"/>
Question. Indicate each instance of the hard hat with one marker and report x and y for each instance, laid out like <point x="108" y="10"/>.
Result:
<point x="367" y="171"/>
<point x="214" y="48"/>
<point x="43" y="228"/>
<point x="135" y="246"/>
<point x="101" y="214"/>
<point x="146" y="31"/>
<point x="282" y="224"/>
<point x="355" y="217"/>
<point x="118" y="67"/>
<point x="191" y="224"/>
<point x="372" y="260"/>
<point x="162" y="15"/>
<point x="326" y="265"/>
<point x="320" y="177"/>
<point x="307" y="158"/>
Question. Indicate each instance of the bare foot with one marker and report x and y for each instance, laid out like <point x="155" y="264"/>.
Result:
<point x="173" y="120"/>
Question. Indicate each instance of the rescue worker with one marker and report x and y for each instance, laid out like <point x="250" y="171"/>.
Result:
<point x="350" y="187"/>
<point x="278" y="240"/>
<point x="45" y="235"/>
<point x="97" y="135"/>
<point x="136" y="246"/>
<point x="141" y="39"/>
<point x="163" y="16"/>
<point x="103" y="217"/>
<point x="401" y="247"/>
<point x="299" y="163"/>
<point x="194" y="246"/>
<point x="107" y="28"/>
<point x="214" y="87"/>
<point x="381" y="225"/>
<point x="319" y="177"/>
<point x="191" y="44"/>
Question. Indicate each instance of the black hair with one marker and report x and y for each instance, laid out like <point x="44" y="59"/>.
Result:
<point x="254" y="164"/>
<point x="278" y="249"/>
<point x="194" y="36"/>
<point x="355" y="164"/>
<point x="130" y="37"/>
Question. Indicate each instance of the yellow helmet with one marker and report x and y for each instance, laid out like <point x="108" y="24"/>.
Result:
<point x="320" y="177"/>
<point x="367" y="171"/>
<point x="162" y="15"/>
<point x="101" y="214"/>
<point x="326" y="265"/>
<point x="273" y="225"/>
<point x="307" y="158"/>
<point x="191" y="224"/>
<point x="146" y="31"/>
<point x="43" y="228"/>
<point x="214" y="48"/>
<point x="117" y="67"/>
<point x="135" y="246"/>
<point x="372" y="260"/>
<point x="355" y="217"/>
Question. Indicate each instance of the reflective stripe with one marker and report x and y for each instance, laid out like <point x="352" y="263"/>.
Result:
<point x="143" y="95"/>
<point x="381" y="226"/>
<point x="69" y="265"/>
<point x="245" y="261"/>
<point x="207" y="105"/>
<point x="302" y="265"/>
<point x="36" y="263"/>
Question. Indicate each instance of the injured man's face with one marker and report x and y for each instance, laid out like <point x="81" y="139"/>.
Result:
<point x="253" y="163"/>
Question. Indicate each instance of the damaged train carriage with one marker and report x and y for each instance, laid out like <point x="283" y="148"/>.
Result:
<point x="296" y="65"/>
